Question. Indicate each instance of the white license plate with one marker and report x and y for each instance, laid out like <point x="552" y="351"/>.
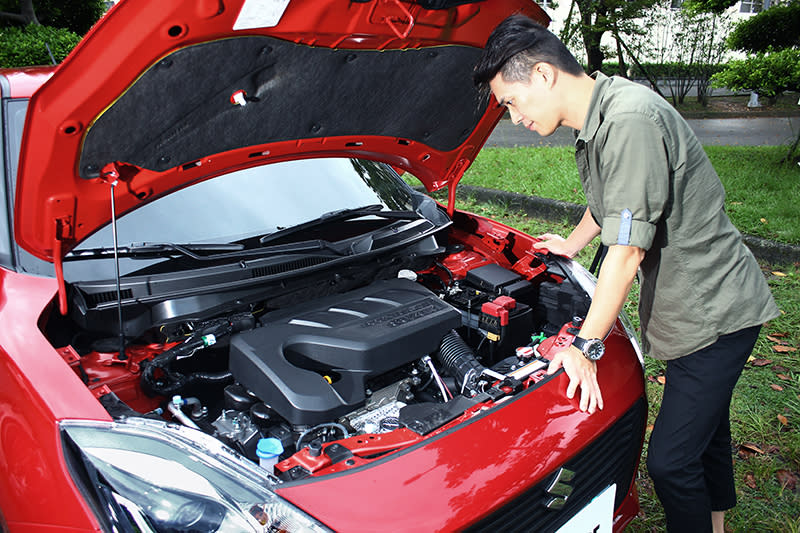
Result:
<point x="596" y="517"/>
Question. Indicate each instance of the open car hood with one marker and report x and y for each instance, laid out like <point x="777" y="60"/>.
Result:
<point x="162" y="94"/>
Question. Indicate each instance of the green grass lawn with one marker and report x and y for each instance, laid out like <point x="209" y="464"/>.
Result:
<point x="762" y="195"/>
<point x="765" y="411"/>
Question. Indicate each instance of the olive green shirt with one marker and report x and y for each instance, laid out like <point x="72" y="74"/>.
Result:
<point x="649" y="183"/>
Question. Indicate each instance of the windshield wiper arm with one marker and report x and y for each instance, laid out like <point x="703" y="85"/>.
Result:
<point x="167" y="249"/>
<point x="155" y="249"/>
<point x="339" y="215"/>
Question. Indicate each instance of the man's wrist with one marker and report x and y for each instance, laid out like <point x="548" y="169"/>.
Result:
<point x="591" y="348"/>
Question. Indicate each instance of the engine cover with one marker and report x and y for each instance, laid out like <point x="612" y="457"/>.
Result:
<point x="344" y="339"/>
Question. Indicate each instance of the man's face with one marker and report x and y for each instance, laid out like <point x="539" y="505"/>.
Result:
<point x="530" y="104"/>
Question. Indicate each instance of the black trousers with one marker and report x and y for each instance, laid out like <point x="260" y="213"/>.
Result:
<point x="689" y="456"/>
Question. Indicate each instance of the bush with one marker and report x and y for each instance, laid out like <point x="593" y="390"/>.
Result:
<point x="777" y="27"/>
<point x="768" y="74"/>
<point x="665" y="70"/>
<point x="20" y="47"/>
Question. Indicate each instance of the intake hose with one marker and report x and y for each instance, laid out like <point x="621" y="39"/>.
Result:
<point x="459" y="361"/>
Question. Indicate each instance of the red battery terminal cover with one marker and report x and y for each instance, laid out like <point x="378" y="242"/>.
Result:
<point x="499" y="308"/>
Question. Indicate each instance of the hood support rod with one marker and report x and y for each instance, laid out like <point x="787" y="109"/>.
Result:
<point x="111" y="176"/>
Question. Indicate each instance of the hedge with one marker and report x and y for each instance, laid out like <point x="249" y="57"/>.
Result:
<point x="25" y="46"/>
<point x="665" y="70"/>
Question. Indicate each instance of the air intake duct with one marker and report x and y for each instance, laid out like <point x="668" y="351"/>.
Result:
<point x="459" y="361"/>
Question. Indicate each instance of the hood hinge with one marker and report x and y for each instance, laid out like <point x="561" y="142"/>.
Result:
<point x="64" y="232"/>
<point x="453" y="177"/>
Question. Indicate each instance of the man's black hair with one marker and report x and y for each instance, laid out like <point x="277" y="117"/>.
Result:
<point x="515" y="46"/>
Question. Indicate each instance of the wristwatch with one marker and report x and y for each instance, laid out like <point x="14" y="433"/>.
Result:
<point x="593" y="349"/>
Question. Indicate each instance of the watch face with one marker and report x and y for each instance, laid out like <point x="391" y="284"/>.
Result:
<point x="594" y="349"/>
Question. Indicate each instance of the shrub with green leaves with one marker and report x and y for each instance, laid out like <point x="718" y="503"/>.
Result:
<point x="665" y="70"/>
<point x="20" y="47"/>
<point x="777" y="27"/>
<point x="767" y="73"/>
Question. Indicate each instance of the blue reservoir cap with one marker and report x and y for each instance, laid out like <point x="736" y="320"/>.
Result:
<point x="269" y="448"/>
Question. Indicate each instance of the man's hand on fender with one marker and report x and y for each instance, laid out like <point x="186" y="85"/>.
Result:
<point x="554" y="244"/>
<point x="581" y="373"/>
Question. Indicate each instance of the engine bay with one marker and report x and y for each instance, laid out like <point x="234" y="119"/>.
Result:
<point x="345" y="372"/>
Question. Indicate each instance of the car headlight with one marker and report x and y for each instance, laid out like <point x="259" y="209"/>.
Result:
<point x="587" y="281"/>
<point x="165" y="478"/>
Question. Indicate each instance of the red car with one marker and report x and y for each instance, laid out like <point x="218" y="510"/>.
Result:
<point x="222" y="309"/>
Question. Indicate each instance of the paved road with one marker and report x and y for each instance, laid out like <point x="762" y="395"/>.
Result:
<point x="715" y="131"/>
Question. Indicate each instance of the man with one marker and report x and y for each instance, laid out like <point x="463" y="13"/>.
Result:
<point x="658" y="205"/>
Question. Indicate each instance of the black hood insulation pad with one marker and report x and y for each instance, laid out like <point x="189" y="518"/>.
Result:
<point x="180" y="109"/>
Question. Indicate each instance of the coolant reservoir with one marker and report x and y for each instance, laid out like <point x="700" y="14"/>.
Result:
<point x="268" y="451"/>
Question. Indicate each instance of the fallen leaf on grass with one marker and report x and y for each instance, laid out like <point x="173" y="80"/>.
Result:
<point x="761" y="362"/>
<point x="748" y="449"/>
<point x="787" y="479"/>
<point x="776" y="339"/>
<point x="784" y="377"/>
<point x="780" y="348"/>
<point x="778" y="273"/>
<point x="775" y="387"/>
<point x="763" y="220"/>
<point x="661" y="379"/>
<point x="780" y="369"/>
<point x="750" y="481"/>
<point x="780" y="334"/>
<point x="783" y="420"/>
<point x="650" y="427"/>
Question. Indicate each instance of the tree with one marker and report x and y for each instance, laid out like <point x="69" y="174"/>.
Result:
<point x="594" y="18"/>
<point x="26" y="15"/>
<point x="689" y="46"/>
<point x="75" y="15"/>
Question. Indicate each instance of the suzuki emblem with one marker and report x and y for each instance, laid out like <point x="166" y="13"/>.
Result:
<point x="559" y="489"/>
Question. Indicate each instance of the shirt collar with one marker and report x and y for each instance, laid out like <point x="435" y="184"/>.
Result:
<point x="593" y="118"/>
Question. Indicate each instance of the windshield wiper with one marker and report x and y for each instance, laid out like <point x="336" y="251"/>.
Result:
<point x="227" y="250"/>
<point x="155" y="249"/>
<point x="338" y="216"/>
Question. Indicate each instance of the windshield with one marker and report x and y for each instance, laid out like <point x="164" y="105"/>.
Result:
<point x="247" y="203"/>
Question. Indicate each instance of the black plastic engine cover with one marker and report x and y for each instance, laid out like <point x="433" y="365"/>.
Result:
<point x="346" y="338"/>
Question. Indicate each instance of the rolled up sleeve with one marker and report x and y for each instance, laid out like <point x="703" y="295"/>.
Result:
<point x="635" y="173"/>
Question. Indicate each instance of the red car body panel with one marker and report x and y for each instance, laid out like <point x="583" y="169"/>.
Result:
<point x="23" y="82"/>
<point x="36" y="390"/>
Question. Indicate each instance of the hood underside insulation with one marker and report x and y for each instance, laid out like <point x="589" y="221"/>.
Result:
<point x="180" y="109"/>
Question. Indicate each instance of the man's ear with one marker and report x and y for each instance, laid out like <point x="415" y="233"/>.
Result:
<point x="544" y="73"/>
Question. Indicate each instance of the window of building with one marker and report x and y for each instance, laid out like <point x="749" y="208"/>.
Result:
<point x="750" y="6"/>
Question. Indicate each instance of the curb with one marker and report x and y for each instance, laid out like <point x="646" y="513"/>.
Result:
<point x="556" y="211"/>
